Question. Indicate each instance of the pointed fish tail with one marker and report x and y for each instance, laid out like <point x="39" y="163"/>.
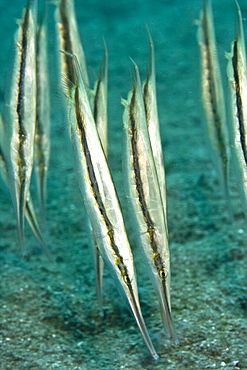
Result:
<point x="30" y="215"/>
<point x="136" y="310"/>
<point x="99" y="269"/>
<point x="166" y="313"/>
<point x="22" y="111"/>
<point x="21" y="202"/>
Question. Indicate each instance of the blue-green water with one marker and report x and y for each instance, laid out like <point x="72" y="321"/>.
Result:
<point x="48" y="312"/>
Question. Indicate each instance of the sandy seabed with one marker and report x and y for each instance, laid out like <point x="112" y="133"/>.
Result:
<point x="48" y="312"/>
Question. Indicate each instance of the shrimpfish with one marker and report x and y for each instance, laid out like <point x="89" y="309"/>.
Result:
<point x="42" y="127"/>
<point x="145" y="200"/>
<point x="213" y="99"/>
<point x="101" y="201"/>
<point x="238" y="128"/>
<point x="69" y="40"/>
<point x="151" y="110"/>
<point x="29" y="208"/>
<point x="99" y="108"/>
<point x="22" y="112"/>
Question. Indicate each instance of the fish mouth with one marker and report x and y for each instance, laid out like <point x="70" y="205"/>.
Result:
<point x="136" y="311"/>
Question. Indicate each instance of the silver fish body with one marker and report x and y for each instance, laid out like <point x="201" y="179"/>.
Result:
<point x="101" y="202"/>
<point x="29" y="208"/>
<point x="42" y="127"/>
<point x="145" y="200"/>
<point x="99" y="104"/>
<point x="151" y="109"/>
<point x="237" y="76"/>
<point x="69" y="40"/>
<point x="22" y="111"/>
<point x="213" y="98"/>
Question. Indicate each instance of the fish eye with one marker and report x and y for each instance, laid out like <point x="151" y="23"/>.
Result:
<point x="126" y="279"/>
<point x="163" y="274"/>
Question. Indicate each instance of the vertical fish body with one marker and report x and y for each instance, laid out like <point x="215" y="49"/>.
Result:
<point x="69" y="40"/>
<point x="213" y="97"/>
<point x="3" y="170"/>
<point x="238" y="86"/>
<point x="101" y="202"/>
<point x="145" y="199"/>
<point x="23" y="113"/>
<point x="151" y="109"/>
<point x="42" y="128"/>
<point x="99" y="105"/>
<point x="29" y="209"/>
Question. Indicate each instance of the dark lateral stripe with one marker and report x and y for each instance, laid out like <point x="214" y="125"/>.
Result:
<point x="212" y="89"/>
<point x="140" y="191"/>
<point x="239" y="103"/>
<point x="20" y="94"/>
<point x="96" y="96"/>
<point x="96" y="192"/>
<point x="66" y="42"/>
<point x="4" y="165"/>
<point x="2" y="157"/>
<point x="146" y="93"/>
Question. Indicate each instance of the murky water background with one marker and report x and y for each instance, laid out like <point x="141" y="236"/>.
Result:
<point x="48" y="311"/>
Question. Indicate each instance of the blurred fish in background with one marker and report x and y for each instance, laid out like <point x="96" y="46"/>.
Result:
<point x="213" y="99"/>
<point x="237" y="75"/>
